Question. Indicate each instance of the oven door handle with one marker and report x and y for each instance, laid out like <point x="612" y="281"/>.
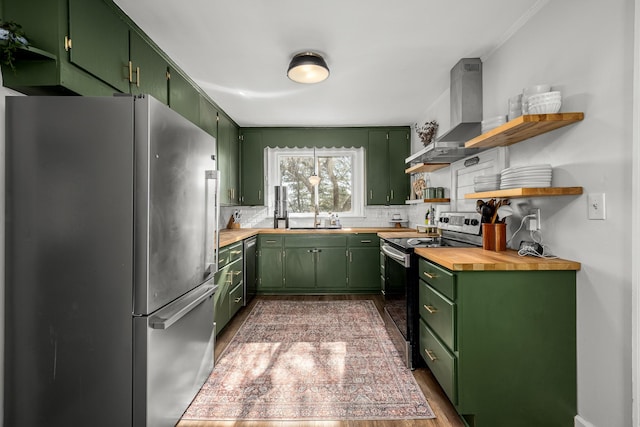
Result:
<point x="395" y="255"/>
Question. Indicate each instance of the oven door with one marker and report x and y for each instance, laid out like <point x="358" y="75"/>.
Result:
<point x="397" y="268"/>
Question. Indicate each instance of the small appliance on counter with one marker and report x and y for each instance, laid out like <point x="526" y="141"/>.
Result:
<point x="280" y="213"/>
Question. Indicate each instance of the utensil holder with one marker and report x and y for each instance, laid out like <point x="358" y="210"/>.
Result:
<point x="494" y="237"/>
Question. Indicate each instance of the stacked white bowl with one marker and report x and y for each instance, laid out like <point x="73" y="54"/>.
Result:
<point x="492" y="123"/>
<point x="545" y="103"/>
<point x="530" y="91"/>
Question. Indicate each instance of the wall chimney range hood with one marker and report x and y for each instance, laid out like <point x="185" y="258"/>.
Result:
<point x="466" y="115"/>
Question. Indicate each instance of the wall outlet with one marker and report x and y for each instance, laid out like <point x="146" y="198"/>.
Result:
<point x="535" y="222"/>
<point x="596" y="206"/>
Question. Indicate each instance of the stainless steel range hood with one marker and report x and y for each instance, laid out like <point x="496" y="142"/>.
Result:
<point x="466" y="115"/>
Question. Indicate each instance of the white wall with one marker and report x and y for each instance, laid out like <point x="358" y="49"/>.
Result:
<point x="585" y="49"/>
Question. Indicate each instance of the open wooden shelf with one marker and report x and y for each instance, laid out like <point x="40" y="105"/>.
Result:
<point x="514" y="193"/>
<point x="426" y="167"/>
<point x="522" y="128"/>
<point x="418" y="201"/>
<point x="30" y="53"/>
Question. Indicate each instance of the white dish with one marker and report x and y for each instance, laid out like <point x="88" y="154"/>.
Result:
<point x="527" y="167"/>
<point x="550" y="107"/>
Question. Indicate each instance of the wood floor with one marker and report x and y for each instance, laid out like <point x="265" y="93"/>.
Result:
<point x="446" y="415"/>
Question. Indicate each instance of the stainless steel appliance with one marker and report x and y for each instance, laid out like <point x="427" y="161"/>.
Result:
<point x="400" y="285"/>
<point x="250" y="276"/>
<point x="466" y="116"/>
<point x="110" y="256"/>
<point x="280" y="212"/>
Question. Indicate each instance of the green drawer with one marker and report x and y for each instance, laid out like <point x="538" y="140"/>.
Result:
<point x="235" y="299"/>
<point x="234" y="271"/>
<point x="315" y="241"/>
<point x="270" y="240"/>
<point x="363" y="240"/>
<point x="223" y="257"/>
<point x="439" y="278"/>
<point x="439" y="313"/>
<point x="440" y="361"/>
<point x="235" y="251"/>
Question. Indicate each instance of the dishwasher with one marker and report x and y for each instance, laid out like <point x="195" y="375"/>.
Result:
<point x="250" y="276"/>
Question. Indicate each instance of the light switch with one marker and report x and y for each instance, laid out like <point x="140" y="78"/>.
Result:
<point x="596" y="206"/>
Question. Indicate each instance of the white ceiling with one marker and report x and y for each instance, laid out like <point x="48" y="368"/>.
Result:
<point x="389" y="60"/>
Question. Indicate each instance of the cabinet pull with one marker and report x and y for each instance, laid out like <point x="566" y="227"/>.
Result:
<point x="236" y="252"/>
<point x="430" y="355"/>
<point x="371" y="194"/>
<point x="387" y="197"/>
<point x="236" y="273"/>
<point x="431" y="309"/>
<point x="138" y="76"/>
<point x="237" y="300"/>
<point x="270" y="241"/>
<point x="350" y="256"/>
<point x="430" y="276"/>
<point x="259" y="194"/>
<point x="365" y="241"/>
<point x="67" y="43"/>
<point x="392" y="195"/>
<point x="130" y="72"/>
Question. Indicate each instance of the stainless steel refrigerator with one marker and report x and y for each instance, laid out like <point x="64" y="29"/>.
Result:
<point x="111" y="231"/>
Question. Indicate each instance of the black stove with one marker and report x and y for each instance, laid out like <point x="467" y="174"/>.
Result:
<point x="400" y="281"/>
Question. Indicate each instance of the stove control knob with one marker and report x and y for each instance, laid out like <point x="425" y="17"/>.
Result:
<point x="474" y="222"/>
<point x="466" y="221"/>
<point x="444" y="219"/>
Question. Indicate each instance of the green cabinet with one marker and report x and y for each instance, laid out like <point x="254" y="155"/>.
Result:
<point x="502" y="344"/>
<point x="315" y="263"/>
<point x="387" y="183"/>
<point x="99" y="41"/>
<point x="148" y="70"/>
<point x="252" y="168"/>
<point x="229" y="280"/>
<point x="270" y="263"/>
<point x="228" y="161"/>
<point x="364" y="256"/>
<point x="183" y="96"/>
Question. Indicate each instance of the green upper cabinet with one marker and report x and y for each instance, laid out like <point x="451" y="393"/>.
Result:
<point x="252" y="168"/>
<point x="147" y="69"/>
<point x="387" y="183"/>
<point x="228" y="161"/>
<point x="377" y="168"/>
<point x="51" y="72"/>
<point x="183" y="97"/>
<point x="99" y="42"/>
<point x="399" y="182"/>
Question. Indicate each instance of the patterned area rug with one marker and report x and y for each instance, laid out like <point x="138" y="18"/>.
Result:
<point x="310" y="360"/>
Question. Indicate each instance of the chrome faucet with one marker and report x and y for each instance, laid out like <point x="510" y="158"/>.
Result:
<point x="316" y="211"/>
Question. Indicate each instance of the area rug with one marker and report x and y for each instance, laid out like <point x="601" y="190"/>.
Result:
<point x="310" y="361"/>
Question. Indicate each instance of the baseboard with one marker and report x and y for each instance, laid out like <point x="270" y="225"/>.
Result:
<point x="581" y="422"/>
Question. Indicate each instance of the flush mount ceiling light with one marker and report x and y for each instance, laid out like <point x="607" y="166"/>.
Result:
<point x="308" y="67"/>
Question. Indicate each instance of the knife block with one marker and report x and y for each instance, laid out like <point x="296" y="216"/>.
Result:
<point x="232" y="224"/>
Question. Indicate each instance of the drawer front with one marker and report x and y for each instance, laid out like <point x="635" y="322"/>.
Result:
<point x="223" y="257"/>
<point x="363" y="240"/>
<point x="315" y="241"/>
<point x="235" y="251"/>
<point x="439" y="313"/>
<point x="235" y="299"/>
<point x="234" y="272"/>
<point x="440" y="361"/>
<point x="270" y="241"/>
<point x="438" y="278"/>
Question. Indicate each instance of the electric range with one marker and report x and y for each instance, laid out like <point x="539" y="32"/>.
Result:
<point x="400" y="280"/>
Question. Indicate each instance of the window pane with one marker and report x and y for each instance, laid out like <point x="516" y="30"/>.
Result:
<point x="335" y="189"/>
<point x="294" y="173"/>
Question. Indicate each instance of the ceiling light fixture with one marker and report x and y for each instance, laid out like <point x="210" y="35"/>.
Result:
<point x="308" y="67"/>
<point x="314" y="179"/>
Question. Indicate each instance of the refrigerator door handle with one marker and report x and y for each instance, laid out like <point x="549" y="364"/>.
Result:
<point x="176" y="310"/>
<point x="212" y="237"/>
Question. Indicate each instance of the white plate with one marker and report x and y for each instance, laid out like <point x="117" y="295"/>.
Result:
<point x="527" y="168"/>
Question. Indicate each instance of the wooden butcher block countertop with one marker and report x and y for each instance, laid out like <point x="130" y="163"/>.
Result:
<point x="477" y="259"/>
<point x="229" y="236"/>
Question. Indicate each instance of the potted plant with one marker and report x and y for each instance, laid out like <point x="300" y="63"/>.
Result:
<point x="12" y="37"/>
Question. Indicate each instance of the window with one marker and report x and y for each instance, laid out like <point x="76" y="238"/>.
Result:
<point x="341" y="172"/>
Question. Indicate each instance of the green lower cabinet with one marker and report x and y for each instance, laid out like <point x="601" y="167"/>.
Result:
<point x="299" y="269"/>
<point x="502" y="344"/>
<point x="229" y="281"/>
<point x="364" y="273"/>
<point x="270" y="264"/>
<point x="331" y="270"/>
